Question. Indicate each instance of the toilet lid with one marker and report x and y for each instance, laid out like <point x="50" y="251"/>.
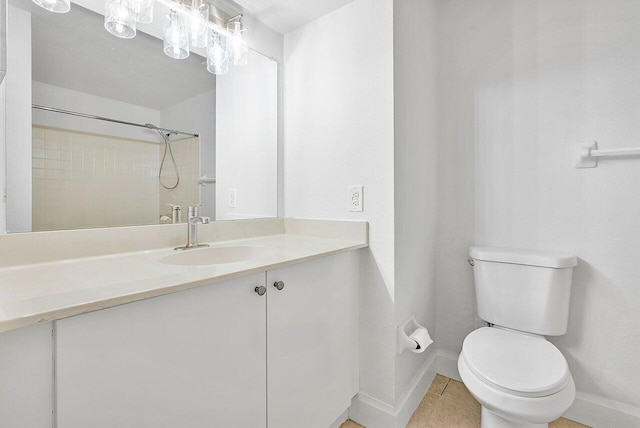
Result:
<point x="516" y="363"/>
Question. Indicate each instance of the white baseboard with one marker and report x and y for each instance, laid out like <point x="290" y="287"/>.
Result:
<point x="373" y="413"/>
<point x="447" y="364"/>
<point x="599" y="412"/>
<point x="343" y="417"/>
<point x="416" y="390"/>
<point x="592" y="410"/>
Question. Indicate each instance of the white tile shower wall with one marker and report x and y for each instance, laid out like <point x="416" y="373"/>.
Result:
<point x="186" y="153"/>
<point x="198" y="115"/>
<point x="521" y="82"/>
<point x="84" y="180"/>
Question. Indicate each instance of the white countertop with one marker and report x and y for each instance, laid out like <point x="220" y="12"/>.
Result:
<point x="33" y="293"/>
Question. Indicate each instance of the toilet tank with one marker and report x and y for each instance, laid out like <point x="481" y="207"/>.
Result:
<point x="526" y="290"/>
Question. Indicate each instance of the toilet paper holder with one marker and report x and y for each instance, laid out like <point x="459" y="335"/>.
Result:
<point x="405" y="342"/>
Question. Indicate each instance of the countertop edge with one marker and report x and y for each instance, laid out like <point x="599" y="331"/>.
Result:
<point x="92" y="306"/>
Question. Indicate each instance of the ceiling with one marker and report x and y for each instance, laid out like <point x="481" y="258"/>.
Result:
<point x="287" y="15"/>
<point x="74" y="51"/>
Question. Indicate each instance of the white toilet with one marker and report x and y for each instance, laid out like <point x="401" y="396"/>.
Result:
<point x="519" y="378"/>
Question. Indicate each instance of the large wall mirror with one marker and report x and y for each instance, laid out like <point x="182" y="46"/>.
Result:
<point x="104" y="131"/>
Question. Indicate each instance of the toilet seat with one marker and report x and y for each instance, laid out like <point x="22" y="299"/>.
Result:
<point x="515" y="363"/>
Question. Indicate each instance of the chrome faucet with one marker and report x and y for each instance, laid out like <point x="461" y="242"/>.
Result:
<point x="192" y="231"/>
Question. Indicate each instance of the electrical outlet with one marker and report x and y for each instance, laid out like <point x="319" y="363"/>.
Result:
<point x="355" y="198"/>
<point x="232" y="199"/>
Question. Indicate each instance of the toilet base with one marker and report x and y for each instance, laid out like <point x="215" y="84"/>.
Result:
<point x="492" y="420"/>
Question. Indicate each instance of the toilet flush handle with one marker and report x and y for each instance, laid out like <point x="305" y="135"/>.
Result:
<point x="471" y="262"/>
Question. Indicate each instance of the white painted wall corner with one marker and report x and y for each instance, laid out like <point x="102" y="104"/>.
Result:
<point x="374" y="413"/>
<point x="447" y="364"/>
<point x="341" y="419"/>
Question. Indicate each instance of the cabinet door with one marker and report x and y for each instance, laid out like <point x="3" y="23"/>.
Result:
<point x="312" y="331"/>
<point x="26" y="377"/>
<point x="191" y="359"/>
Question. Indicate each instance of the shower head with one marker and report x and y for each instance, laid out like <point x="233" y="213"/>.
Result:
<point x="166" y="132"/>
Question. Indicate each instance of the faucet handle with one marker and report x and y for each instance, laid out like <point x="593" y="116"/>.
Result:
<point x="194" y="210"/>
<point x="176" y="213"/>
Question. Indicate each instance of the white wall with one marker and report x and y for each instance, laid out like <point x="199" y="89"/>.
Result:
<point x="18" y="120"/>
<point x="521" y="83"/>
<point x="247" y="140"/>
<point x="456" y="304"/>
<point x="198" y="115"/>
<point x="339" y="132"/>
<point x="271" y="43"/>
<point x="415" y="169"/>
<point x="68" y="99"/>
<point x="3" y="176"/>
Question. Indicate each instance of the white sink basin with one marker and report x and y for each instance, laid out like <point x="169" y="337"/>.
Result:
<point x="219" y="255"/>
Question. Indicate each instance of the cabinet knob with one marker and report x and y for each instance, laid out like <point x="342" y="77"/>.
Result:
<point x="279" y="285"/>
<point x="261" y="290"/>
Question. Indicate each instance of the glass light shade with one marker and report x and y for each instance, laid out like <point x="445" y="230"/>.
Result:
<point x="198" y="30"/>
<point x="120" y="18"/>
<point x="238" y="45"/>
<point x="175" y="37"/>
<point x="57" y="6"/>
<point x="218" y="55"/>
<point x="144" y="11"/>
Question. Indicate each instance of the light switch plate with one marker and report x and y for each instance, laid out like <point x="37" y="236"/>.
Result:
<point x="355" y="201"/>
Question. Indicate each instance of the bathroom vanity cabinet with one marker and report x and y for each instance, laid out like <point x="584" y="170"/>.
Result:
<point x="312" y="342"/>
<point x="26" y="377"/>
<point x="219" y="355"/>
<point x="190" y="359"/>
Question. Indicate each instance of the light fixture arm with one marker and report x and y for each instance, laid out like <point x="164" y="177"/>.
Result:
<point x="186" y="11"/>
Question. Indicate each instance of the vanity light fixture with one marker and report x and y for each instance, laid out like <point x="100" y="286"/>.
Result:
<point x="57" y="6"/>
<point x="239" y="47"/>
<point x="175" y="37"/>
<point x="120" y="18"/>
<point x="144" y="11"/>
<point x="218" y="54"/>
<point x="199" y="28"/>
<point x="188" y="26"/>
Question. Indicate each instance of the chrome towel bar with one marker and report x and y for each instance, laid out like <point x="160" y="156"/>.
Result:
<point x="586" y="154"/>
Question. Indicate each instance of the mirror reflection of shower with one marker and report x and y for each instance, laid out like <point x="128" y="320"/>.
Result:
<point x="88" y="173"/>
<point x="85" y="168"/>
<point x="167" y="148"/>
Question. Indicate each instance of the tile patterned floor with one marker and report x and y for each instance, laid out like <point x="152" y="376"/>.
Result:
<point x="448" y="404"/>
